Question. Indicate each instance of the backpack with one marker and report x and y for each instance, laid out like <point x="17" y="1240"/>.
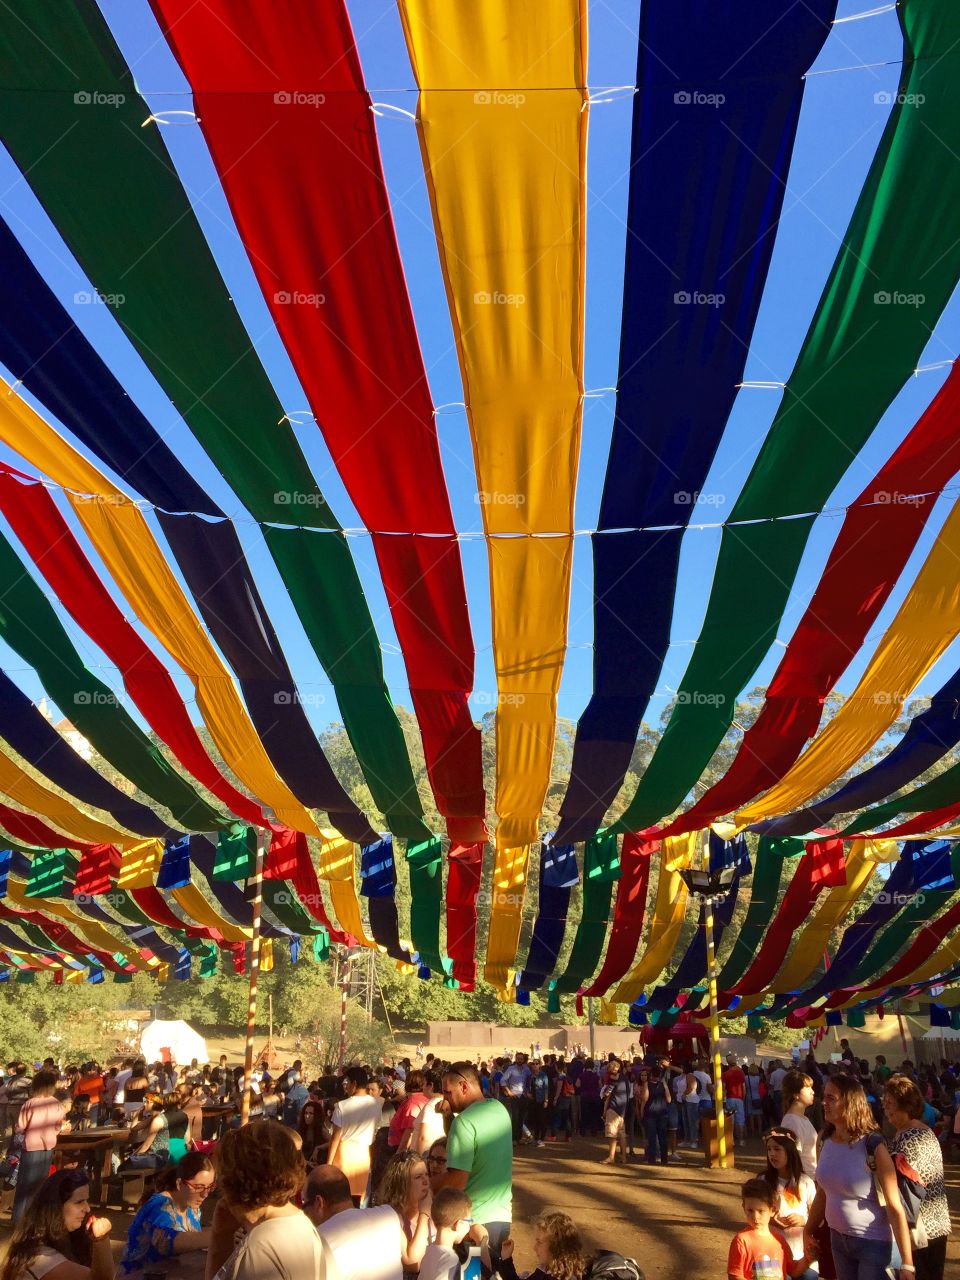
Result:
<point x="567" y="1089"/>
<point x="607" y="1265"/>
<point x="658" y="1100"/>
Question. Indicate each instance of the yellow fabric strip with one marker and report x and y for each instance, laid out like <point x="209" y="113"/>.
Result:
<point x="676" y="854"/>
<point x="32" y="795"/>
<point x="196" y="907"/>
<point x="862" y="861"/>
<point x="926" y="624"/>
<point x="503" y="129"/>
<point x="139" y="865"/>
<point x="506" y="915"/>
<point x="266" y="955"/>
<point x="122" y="537"/>
<point x="338" y="867"/>
<point x="102" y="939"/>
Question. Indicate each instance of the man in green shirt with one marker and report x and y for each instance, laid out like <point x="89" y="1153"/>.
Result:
<point x="480" y="1151"/>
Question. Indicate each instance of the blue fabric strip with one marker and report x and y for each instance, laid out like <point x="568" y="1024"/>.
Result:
<point x="929" y="737"/>
<point x="714" y="121"/>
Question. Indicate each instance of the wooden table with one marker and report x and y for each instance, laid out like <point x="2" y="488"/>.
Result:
<point x="88" y="1142"/>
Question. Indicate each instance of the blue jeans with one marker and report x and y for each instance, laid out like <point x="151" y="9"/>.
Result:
<point x="31" y="1172"/>
<point x="655" y="1128"/>
<point x="692" y="1113"/>
<point x="858" y="1259"/>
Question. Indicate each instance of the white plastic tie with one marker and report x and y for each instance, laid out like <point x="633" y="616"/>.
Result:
<point x="157" y="117"/>
<point x="760" y="385"/>
<point x="382" y="108"/>
<point x="867" y="13"/>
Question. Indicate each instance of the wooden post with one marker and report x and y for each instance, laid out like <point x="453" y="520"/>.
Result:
<point x="715" y="1037"/>
<point x="254" y="976"/>
<point x="344" y="989"/>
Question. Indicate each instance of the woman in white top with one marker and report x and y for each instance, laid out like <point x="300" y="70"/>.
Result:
<point x="797" y="1096"/>
<point x="796" y="1189"/>
<point x="428" y="1126"/>
<point x="355" y="1123"/>
<point x="260" y="1170"/>
<point x="58" y="1238"/>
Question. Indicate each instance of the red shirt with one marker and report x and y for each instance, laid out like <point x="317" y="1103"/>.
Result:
<point x="757" y="1256"/>
<point x="404" y="1116"/>
<point x="734" y="1082"/>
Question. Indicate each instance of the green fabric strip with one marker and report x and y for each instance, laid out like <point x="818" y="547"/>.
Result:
<point x="93" y="709"/>
<point x="764" y="891"/>
<point x="208" y="960"/>
<point x="425" y="863"/>
<point x="46" y="878"/>
<point x="601" y="870"/>
<point x="71" y="117"/>
<point x="236" y="853"/>
<point x="280" y="898"/>
<point x="892" y="278"/>
<point x="321" y="946"/>
<point x="939" y="791"/>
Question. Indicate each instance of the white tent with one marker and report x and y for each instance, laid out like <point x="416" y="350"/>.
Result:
<point x="942" y="1033"/>
<point x="183" y="1043"/>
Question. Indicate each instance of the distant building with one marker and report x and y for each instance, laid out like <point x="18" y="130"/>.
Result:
<point x="69" y="731"/>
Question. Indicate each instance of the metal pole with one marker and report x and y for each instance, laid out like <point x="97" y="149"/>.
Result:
<point x="254" y="976"/>
<point x="344" y="988"/>
<point x="715" y="1037"/>
<point x="903" y="1037"/>
<point x="593" y="1037"/>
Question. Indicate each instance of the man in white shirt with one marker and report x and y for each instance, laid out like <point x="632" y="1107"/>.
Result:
<point x="123" y="1076"/>
<point x="365" y="1243"/>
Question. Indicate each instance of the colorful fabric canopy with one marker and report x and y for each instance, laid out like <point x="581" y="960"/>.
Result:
<point x="855" y="358"/>
<point x="692" y="288"/>
<point x="301" y="116"/>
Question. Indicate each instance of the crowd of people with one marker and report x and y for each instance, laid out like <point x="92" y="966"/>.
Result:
<point x="405" y="1172"/>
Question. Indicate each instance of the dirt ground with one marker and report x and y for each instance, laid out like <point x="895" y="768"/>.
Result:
<point x="676" y="1221"/>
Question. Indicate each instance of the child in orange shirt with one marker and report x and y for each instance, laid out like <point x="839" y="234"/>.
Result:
<point x="756" y="1252"/>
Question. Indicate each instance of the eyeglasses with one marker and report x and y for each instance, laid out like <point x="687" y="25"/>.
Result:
<point x="201" y="1188"/>
<point x="436" y="1159"/>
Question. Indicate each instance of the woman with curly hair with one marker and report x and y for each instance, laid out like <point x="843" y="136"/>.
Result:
<point x="406" y="1189"/>
<point x="558" y="1249"/>
<point x="260" y="1170"/>
<point x="57" y="1238"/>
<point x="853" y="1160"/>
<point x="915" y="1144"/>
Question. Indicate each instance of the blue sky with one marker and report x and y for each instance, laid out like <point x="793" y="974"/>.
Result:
<point x="840" y="127"/>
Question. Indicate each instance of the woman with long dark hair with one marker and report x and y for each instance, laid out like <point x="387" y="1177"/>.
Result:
<point x="854" y="1160"/>
<point x="166" y="1234"/>
<point x="795" y="1189"/>
<point x="57" y="1237"/>
<point x="40" y="1121"/>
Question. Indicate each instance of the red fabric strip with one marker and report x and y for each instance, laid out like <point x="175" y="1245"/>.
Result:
<point x="153" y="904"/>
<point x="920" y="950"/>
<point x="822" y="866"/>
<point x="38" y="524"/>
<point x="98" y="868"/>
<point x="628" y="911"/>
<point x="288" y="858"/>
<point x="32" y="830"/>
<point x="464" y="869"/>
<point x="877" y="537"/>
<point x="921" y="823"/>
<point x="280" y="98"/>
<point x="63" y="937"/>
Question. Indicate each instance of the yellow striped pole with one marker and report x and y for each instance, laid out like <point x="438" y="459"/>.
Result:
<point x="254" y="976"/>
